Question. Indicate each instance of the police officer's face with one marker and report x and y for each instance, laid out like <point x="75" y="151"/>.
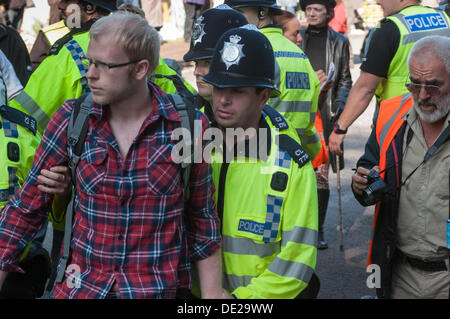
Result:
<point x="238" y="107"/>
<point x="316" y="15"/>
<point x="200" y="70"/>
<point x="430" y="87"/>
<point x="292" y="31"/>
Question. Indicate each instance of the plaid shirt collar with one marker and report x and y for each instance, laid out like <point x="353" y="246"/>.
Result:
<point x="162" y="107"/>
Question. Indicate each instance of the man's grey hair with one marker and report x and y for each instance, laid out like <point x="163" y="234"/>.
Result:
<point x="439" y="46"/>
<point x="133" y="33"/>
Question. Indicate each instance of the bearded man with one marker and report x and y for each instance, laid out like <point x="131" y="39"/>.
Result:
<point x="410" y="150"/>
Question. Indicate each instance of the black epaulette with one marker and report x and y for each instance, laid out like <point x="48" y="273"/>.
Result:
<point x="57" y="46"/>
<point x="297" y="152"/>
<point x="276" y="118"/>
<point x="19" y="118"/>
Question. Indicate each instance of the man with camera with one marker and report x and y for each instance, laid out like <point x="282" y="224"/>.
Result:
<point x="405" y="171"/>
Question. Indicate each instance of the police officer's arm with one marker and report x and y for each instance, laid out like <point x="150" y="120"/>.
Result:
<point x="25" y="213"/>
<point x="292" y="268"/>
<point x="358" y="100"/>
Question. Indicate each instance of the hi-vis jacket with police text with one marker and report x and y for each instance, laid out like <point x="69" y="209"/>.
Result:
<point x="58" y="78"/>
<point x="299" y="88"/>
<point x="269" y="216"/>
<point x="414" y="23"/>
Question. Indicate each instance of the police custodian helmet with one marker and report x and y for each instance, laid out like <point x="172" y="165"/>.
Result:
<point x="243" y="57"/>
<point x="271" y="4"/>
<point x="208" y="28"/>
<point x="108" y="5"/>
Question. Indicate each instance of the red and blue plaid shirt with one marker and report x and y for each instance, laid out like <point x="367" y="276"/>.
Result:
<point x="129" y="226"/>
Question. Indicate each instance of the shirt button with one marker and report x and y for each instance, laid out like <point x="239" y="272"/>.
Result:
<point x="120" y="237"/>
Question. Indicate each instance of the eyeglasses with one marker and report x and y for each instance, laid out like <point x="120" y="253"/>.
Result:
<point x="102" y="65"/>
<point x="415" y="88"/>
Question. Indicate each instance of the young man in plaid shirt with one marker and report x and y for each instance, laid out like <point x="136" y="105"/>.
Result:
<point x="131" y="236"/>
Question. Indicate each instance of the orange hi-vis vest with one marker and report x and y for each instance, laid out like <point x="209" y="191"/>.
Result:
<point x="389" y="122"/>
<point x="322" y="157"/>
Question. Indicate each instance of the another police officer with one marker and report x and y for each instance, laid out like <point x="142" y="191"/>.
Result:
<point x="384" y="72"/>
<point x="294" y="75"/>
<point x="18" y="142"/>
<point x="207" y="30"/>
<point x="266" y="194"/>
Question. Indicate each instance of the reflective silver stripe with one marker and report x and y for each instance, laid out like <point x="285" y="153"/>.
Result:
<point x="291" y="269"/>
<point x="313" y="139"/>
<point x="277" y="79"/>
<point x="300" y="235"/>
<point x="232" y="282"/>
<point x="416" y="36"/>
<point x="246" y="246"/>
<point x="290" y="106"/>
<point x="388" y="124"/>
<point x="33" y="109"/>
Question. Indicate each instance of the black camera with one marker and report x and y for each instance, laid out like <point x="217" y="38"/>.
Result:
<point x="377" y="189"/>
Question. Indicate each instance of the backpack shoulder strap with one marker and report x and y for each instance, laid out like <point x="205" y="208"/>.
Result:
<point x="76" y="135"/>
<point x="77" y="130"/>
<point x="186" y="111"/>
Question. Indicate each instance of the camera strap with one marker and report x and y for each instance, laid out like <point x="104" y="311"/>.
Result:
<point x="431" y="151"/>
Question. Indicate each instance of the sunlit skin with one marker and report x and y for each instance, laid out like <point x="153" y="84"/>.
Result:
<point x="292" y="31"/>
<point x="430" y="70"/>
<point x="238" y="107"/>
<point x="200" y="70"/>
<point x="391" y="7"/>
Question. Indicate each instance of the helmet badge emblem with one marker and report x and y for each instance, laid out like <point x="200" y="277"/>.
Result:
<point x="198" y="30"/>
<point x="232" y="51"/>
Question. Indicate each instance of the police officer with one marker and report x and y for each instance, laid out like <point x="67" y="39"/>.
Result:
<point x="384" y="72"/>
<point x="18" y="142"/>
<point x="294" y="75"/>
<point x="208" y="28"/>
<point x="266" y="195"/>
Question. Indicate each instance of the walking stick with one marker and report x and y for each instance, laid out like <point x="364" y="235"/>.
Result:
<point x="338" y="164"/>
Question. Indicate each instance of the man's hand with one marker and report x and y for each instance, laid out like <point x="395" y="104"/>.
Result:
<point x="56" y="181"/>
<point x="334" y="143"/>
<point x="359" y="179"/>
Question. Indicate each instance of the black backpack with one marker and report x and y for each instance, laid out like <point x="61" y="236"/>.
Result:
<point x="76" y="134"/>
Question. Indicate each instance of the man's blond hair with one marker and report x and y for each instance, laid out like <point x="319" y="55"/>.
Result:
<point x="133" y="33"/>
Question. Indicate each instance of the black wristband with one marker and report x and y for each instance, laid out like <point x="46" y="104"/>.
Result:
<point x="338" y="130"/>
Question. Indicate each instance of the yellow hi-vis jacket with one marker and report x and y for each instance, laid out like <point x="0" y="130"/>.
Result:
<point x="299" y="87"/>
<point x="269" y="216"/>
<point x="414" y="23"/>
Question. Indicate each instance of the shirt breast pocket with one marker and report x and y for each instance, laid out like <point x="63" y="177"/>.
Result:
<point x="91" y="171"/>
<point x="163" y="173"/>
